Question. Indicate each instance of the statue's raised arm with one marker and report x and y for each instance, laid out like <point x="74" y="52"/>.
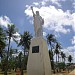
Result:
<point x="32" y="11"/>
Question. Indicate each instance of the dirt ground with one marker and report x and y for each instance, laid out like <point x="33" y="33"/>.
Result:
<point x="25" y="73"/>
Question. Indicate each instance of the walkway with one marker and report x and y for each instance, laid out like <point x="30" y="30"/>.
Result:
<point x="72" y="73"/>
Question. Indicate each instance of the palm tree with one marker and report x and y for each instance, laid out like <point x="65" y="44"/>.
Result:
<point x="63" y="56"/>
<point x="57" y="50"/>
<point x="11" y="52"/>
<point x="10" y="31"/>
<point x="20" y="59"/>
<point x="2" y="46"/>
<point x="51" y="59"/>
<point x="57" y="53"/>
<point x="51" y="41"/>
<point x="50" y="55"/>
<point x="25" y="41"/>
<point x="2" y="40"/>
<point x="70" y="58"/>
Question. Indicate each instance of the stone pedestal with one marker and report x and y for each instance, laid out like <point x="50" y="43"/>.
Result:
<point x="38" y="60"/>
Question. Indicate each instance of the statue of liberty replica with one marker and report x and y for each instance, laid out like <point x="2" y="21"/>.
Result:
<point x="38" y="59"/>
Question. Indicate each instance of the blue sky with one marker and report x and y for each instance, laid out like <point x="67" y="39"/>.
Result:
<point x="59" y="18"/>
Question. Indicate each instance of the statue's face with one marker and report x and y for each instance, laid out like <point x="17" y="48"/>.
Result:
<point x="37" y="12"/>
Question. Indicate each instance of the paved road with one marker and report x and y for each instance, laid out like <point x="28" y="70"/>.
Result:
<point x="72" y="73"/>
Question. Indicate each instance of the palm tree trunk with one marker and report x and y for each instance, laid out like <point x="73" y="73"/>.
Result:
<point x="22" y="65"/>
<point x="24" y="52"/>
<point x="8" y="49"/>
<point x="52" y="62"/>
<point x="64" y="59"/>
<point x="5" y="73"/>
<point x="58" y="57"/>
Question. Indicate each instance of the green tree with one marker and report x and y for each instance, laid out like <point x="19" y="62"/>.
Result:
<point x="11" y="52"/>
<point x="70" y="58"/>
<point x="25" y="41"/>
<point x="51" y="55"/>
<point x="2" y="46"/>
<point x="11" y="59"/>
<point x="51" y="41"/>
<point x="61" y="65"/>
<point x="20" y="59"/>
<point x="10" y="31"/>
<point x="57" y="53"/>
<point x="57" y="50"/>
<point x="2" y="41"/>
<point x="63" y="57"/>
<point x="51" y="59"/>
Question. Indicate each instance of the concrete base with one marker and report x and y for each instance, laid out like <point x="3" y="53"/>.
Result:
<point x="38" y="60"/>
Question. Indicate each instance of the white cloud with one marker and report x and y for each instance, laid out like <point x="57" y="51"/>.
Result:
<point x="36" y="3"/>
<point x="44" y="33"/>
<point x="73" y="25"/>
<point x="17" y="36"/>
<point x="70" y="51"/>
<point x="56" y="2"/>
<point x="71" y="48"/>
<point x="8" y="38"/>
<point x="73" y="40"/>
<point x="4" y="21"/>
<point x="54" y="19"/>
<point x="45" y="2"/>
<point x="41" y="3"/>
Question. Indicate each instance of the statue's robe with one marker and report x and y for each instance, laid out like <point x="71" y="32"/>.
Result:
<point x="38" y="22"/>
